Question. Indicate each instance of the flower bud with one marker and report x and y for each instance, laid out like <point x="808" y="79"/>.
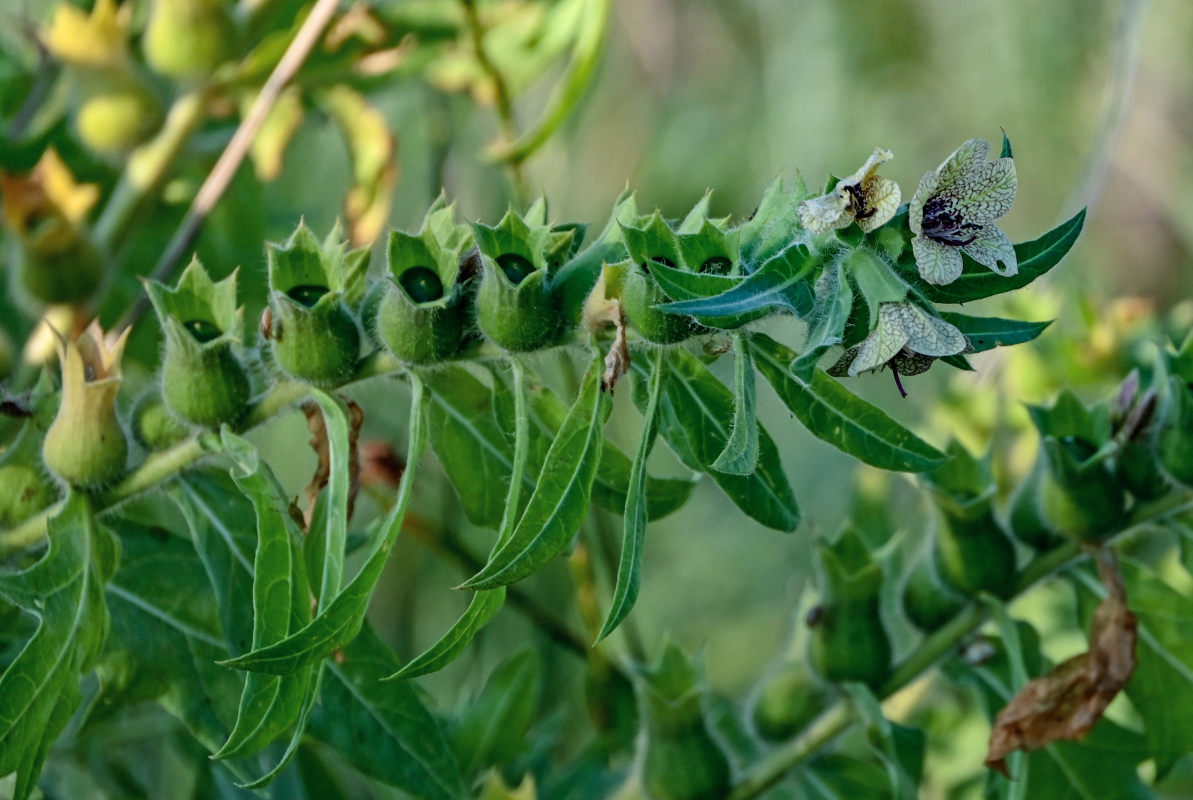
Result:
<point x="927" y="602"/>
<point x="312" y="335"/>
<point x="971" y="550"/>
<point x="848" y="640"/>
<point x="188" y="39"/>
<point x="420" y="312"/>
<point x="203" y="381"/>
<point x="154" y="427"/>
<point x="515" y="307"/>
<point x="55" y="261"/>
<point x="789" y="700"/>
<point x="85" y="445"/>
<point x="682" y="760"/>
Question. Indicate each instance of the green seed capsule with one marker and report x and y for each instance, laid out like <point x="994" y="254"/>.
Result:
<point x="317" y="344"/>
<point x="421" y="284"/>
<point x="639" y="295"/>
<point x="1026" y="518"/>
<point x="515" y="267"/>
<point x="1080" y="499"/>
<point x="520" y="318"/>
<point x="848" y="640"/>
<point x="154" y="427"/>
<point x="789" y="700"/>
<point x="973" y="553"/>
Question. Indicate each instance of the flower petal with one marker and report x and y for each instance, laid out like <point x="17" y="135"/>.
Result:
<point x="915" y="211"/>
<point x="867" y="170"/>
<point x="990" y="247"/>
<point x="887" y="339"/>
<point x="827" y="212"/>
<point x="938" y="263"/>
<point x="929" y="335"/>
<point x="880" y="197"/>
<point x="986" y="193"/>
<point x="964" y="160"/>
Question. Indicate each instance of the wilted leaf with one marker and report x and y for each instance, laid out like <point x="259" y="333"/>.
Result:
<point x="1069" y="700"/>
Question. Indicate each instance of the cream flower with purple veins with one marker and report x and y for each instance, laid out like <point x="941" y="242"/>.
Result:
<point x="953" y="210"/>
<point x="904" y="331"/>
<point x="863" y="197"/>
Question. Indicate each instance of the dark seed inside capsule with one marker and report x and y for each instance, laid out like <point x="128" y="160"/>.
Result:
<point x="717" y="265"/>
<point x="202" y="330"/>
<point x="307" y="295"/>
<point x="515" y="267"/>
<point x="422" y="284"/>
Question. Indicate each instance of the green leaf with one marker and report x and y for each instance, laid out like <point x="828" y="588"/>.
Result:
<point x="773" y="224"/>
<point x="833" y="413"/>
<point x="986" y="333"/>
<point x="469" y="443"/>
<point x="1161" y="689"/>
<point x="1035" y="258"/>
<point x="782" y="282"/>
<point x="834" y="301"/>
<point x="693" y="421"/>
<point x="325" y="546"/>
<point x="740" y="456"/>
<point x="560" y="499"/>
<point x="629" y="568"/>
<point x="840" y="777"/>
<point x="39" y="690"/>
<point x="341" y="619"/>
<point x="899" y="748"/>
<point x="484" y="606"/>
<point x="269" y="705"/>
<point x="493" y="727"/>
<point x="382" y="728"/>
<point x="1006" y="147"/>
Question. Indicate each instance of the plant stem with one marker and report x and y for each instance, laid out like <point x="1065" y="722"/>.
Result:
<point x="238" y="146"/>
<point x="767" y="772"/>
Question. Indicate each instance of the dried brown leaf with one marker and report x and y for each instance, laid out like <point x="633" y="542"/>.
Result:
<point x="380" y="465"/>
<point x="319" y="443"/>
<point x="617" y="360"/>
<point x="1066" y="703"/>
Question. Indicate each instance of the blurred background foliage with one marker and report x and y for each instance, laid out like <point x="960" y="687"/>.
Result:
<point x="395" y="107"/>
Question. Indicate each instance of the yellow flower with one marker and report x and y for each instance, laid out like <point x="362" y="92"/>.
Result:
<point x="96" y="40"/>
<point x="952" y="211"/>
<point x="85" y="445"/>
<point x="863" y="197"/>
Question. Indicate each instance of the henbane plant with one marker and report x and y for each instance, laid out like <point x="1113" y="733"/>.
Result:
<point x="458" y="313"/>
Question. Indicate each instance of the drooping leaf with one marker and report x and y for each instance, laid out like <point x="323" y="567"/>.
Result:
<point x="629" y="568"/>
<point x="833" y="413"/>
<point x="976" y="281"/>
<point x="492" y="728"/>
<point x="986" y="333"/>
<point x="560" y="499"/>
<point x="338" y="622"/>
<point x="481" y="610"/>
<point x="694" y="421"/>
<point x="740" y="456"/>
<point x="382" y="728"/>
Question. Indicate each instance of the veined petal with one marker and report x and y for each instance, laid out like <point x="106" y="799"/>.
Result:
<point x="827" y="212"/>
<point x="986" y="193"/>
<point x="867" y="170"/>
<point x="965" y="159"/>
<point x="915" y="211"/>
<point x="888" y="338"/>
<point x="908" y="363"/>
<point x="992" y="248"/>
<point x="938" y="263"/>
<point x="929" y="335"/>
<point x="880" y="198"/>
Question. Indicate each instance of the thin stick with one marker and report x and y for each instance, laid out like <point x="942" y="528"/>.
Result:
<point x="229" y="161"/>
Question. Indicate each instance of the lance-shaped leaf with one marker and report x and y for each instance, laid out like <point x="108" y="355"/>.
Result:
<point x="976" y="281"/>
<point x="834" y="301"/>
<point x="740" y="456"/>
<point x="560" y="499"/>
<point x="382" y="728"/>
<point x="629" y="568"/>
<point x="694" y="421"/>
<point x="492" y="728"/>
<point x="781" y="282"/>
<point x="833" y="413"/>
<point x="340" y="619"/>
<point x="326" y="543"/>
<point x="986" y="333"/>
<point x="270" y="705"/>
<point x="39" y="690"/>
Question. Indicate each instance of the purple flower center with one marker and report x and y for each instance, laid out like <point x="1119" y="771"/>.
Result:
<point x="944" y="223"/>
